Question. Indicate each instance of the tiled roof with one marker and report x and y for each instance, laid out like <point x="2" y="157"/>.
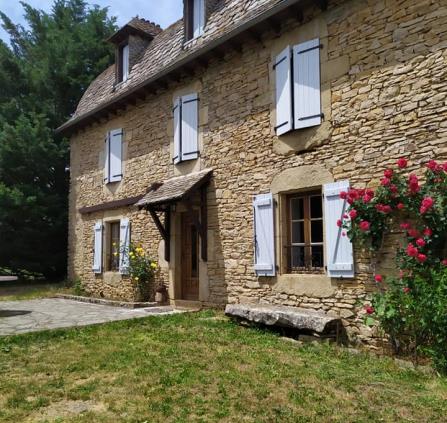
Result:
<point x="146" y="26"/>
<point x="174" y="189"/>
<point x="168" y="48"/>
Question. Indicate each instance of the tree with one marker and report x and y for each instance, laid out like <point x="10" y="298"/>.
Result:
<point x="43" y="74"/>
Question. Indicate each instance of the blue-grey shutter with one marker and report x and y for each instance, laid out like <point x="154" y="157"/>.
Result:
<point x="190" y="127"/>
<point x="116" y="155"/>
<point x="339" y="251"/>
<point x="264" y="235"/>
<point x="124" y="245"/>
<point x="97" y="247"/>
<point x="177" y="131"/>
<point x="306" y="80"/>
<point x="283" y="77"/>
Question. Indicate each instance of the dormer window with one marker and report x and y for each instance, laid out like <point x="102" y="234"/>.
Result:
<point x="123" y="63"/>
<point x="194" y="18"/>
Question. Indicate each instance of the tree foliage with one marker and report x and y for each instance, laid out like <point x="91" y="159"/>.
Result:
<point x="44" y="73"/>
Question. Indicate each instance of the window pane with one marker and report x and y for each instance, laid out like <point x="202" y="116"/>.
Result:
<point x="316" y="231"/>
<point x="297" y="232"/>
<point x="317" y="256"/>
<point x="297" y="207"/>
<point x="114" y="246"/>
<point x="316" y="209"/>
<point x="297" y="259"/>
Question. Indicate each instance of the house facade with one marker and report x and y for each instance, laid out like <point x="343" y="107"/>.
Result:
<point x="221" y="145"/>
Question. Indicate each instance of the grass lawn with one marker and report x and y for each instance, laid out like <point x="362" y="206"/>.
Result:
<point x="201" y="367"/>
<point x="13" y="291"/>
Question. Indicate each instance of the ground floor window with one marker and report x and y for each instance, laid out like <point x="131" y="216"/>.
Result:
<point x="305" y="248"/>
<point x="113" y="246"/>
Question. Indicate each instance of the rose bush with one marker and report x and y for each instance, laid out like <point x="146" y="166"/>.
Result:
<point x="412" y="308"/>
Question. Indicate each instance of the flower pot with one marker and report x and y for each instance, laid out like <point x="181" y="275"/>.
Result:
<point x="160" y="297"/>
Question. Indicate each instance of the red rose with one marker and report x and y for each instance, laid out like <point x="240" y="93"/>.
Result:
<point x="406" y="290"/>
<point x="369" y="193"/>
<point x="421" y="258"/>
<point x="428" y="232"/>
<point x="402" y="163"/>
<point x="345" y="216"/>
<point x="393" y="188"/>
<point x="388" y="173"/>
<point x="400" y="206"/>
<point x="412" y="251"/>
<point x="444" y="262"/>
<point x="364" y="225"/>
<point x="366" y="198"/>
<point x="426" y="204"/>
<point x="413" y="233"/>
<point x="432" y="165"/>
<point x="369" y="309"/>
<point x="353" y="214"/>
<point x="385" y="181"/>
<point x="378" y="278"/>
<point x="343" y="195"/>
<point x="339" y="223"/>
<point x="413" y="183"/>
<point x="405" y="226"/>
<point x="420" y="242"/>
<point x="444" y="166"/>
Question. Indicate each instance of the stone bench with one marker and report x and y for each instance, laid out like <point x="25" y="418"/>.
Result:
<point x="309" y="321"/>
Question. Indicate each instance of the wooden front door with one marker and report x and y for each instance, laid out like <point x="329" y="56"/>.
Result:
<point x="190" y="258"/>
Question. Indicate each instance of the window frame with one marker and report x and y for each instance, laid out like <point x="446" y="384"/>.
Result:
<point x="307" y="227"/>
<point x="190" y="21"/>
<point x="120" y="62"/>
<point x="112" y="261"/>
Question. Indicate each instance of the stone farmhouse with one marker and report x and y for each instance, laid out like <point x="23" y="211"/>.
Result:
<point x="222" y="142"/>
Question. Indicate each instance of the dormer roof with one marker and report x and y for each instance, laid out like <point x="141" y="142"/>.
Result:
<point x="136" y="26"/>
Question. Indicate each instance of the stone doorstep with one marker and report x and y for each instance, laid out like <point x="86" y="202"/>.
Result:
<point x="283" y="316"/>
<point x="103" y="301"/>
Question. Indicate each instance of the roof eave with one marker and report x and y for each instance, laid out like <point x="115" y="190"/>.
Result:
<point x="72" y="124"/>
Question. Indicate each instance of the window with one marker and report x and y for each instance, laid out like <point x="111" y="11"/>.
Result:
<point x="298" y="98"/>
<point x="305" y="232"/>
<point x="123" y="62"/>
<point x="194" y="18"/>
<point x="186" y="128"/>
<point x="113" y="246"/>
<point x="113" y="156"/>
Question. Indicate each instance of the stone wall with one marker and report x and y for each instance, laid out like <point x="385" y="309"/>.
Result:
<point x="384" y="69"/>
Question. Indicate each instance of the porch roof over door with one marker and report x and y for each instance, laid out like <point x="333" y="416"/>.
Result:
<point x="174" y="189"/>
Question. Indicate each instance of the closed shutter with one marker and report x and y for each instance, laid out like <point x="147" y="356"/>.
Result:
<point x="340" y="259"/>
<point x="97" y="247"/>
<point x="124" y="245"/>
<point x="107" y="159"/>
<point x="125" y="63"/>
<point x="264" y="238"/>
<point x="177" y="131"/>
<point x="116" y="155"/>
<point x="283" y="76"/>
<point x="190" y="126"/>
<point x="306" y="79"/>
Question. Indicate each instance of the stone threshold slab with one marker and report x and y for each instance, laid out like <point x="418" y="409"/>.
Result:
<point x="277" y="315"/>
<point x="103" y="301"/>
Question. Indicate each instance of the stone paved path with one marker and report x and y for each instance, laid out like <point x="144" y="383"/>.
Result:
<point x="35" y="315"/>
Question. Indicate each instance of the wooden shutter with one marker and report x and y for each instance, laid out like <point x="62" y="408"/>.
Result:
<point x="339" y="252"/>
<point x="177" y="131"/>
<point x="125" y="64"/>
<point x="306" y="80"/>
<point x="283" y="76"/>
<point x="264" y="235"/>
<point x="190" y="127"/>
<point x="97" y="247"/>
<point x="107" y="159"/>
<point x="115" y="156"/>
<point x="124" y="245"/>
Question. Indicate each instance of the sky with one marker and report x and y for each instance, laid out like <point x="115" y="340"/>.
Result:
<point x="124" y="10"/>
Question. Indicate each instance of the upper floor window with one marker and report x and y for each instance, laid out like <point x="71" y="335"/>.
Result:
<point x="113" y="168"/>
<point x="194" y="18"/>
<point x="123" y="63"/>
<point x="298" y="92"/>
<point x="186" y="128"/>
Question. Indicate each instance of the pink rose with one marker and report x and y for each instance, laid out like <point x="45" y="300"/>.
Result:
<point x="343" y="195"/>
<point x="413" y="233"/>
<point x="421" y="258"/>
<point x="444" y="262"/>
<point x="432" y="165"/>
<point x="385" y="182"/>
<point x="400" y="206"/>
<point x="405" y="226"/>
<point x="402" y="163"/>
<point x="388" y="173"/>
<point x="378" y="278"/>
<point x="420" y="242"/>
<point x="428" y="232"/>
<point x="364" y="225"/>
<point x="353" y="214"/>
<point x="369" y="309"/>
<point x="339" y="223"/>
<point x="412" y="251"/>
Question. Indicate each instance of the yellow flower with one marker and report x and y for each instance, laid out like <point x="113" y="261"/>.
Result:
<point x="115" y="254"/>
<point x="137" y="278"/>
<point x="114" y="244"/>
<point x="154" y="265"/>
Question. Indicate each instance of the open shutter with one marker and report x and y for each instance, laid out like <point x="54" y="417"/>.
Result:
<point x="97" y="247"/>
<point x="124" y="245"/>
<point x="282" y="67"/>
<point x="189" y="127"/>
<point x="306" y="79"/>
<point x="264" y="235"/>
<point x="177" y="131"/>
<point x="107" y="159"/>
<point x="340" y="259"/>
<point x="115" y="156"/>
<point x="199" y="17"/>
<point x="125" y="63"/>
